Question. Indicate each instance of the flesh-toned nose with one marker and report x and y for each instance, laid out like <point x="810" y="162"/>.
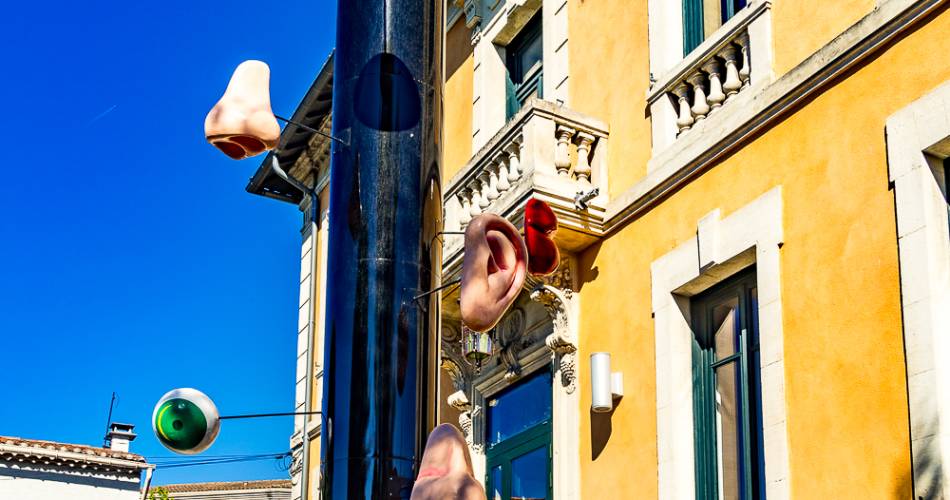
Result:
<point x="493" y="270"/>
<point x="242" y="124"/>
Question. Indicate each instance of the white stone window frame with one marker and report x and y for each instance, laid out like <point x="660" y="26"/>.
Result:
<point x="667" y="62"/>
<point x="918" y="136"/>
<point x="557" y="353"/>
<point x="494" y="24"/>
<point x="721" y="248"/>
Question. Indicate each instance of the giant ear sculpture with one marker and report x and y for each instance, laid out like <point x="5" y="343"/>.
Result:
<point x="242" y="124"/>
<point x="493" y="270"/>
<point x="540" y="224"/>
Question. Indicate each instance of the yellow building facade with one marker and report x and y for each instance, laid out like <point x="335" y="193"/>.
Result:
<point x="752" y="198"/>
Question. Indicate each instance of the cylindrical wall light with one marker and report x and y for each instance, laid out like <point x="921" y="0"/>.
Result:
<point x="605" y="386"/>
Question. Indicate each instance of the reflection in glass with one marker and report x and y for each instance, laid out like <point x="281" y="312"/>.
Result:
<point x="727" y="430"/>
<point x="724" y="324"/>
<point x="519" y="407"/>
<point x="529" y="475"/>
<point x="496" y="482"/>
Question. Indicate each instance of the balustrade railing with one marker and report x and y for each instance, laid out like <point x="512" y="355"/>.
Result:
<point x="545" y="148"/>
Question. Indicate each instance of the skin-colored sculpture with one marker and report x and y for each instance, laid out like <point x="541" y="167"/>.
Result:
<point x="493" y="270"/>
<point x="446" y="469"/>
<point x="540" y="224"/>
<point x="242" y="124"/>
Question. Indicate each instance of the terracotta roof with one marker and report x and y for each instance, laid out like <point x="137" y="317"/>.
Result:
<point x="228" y="486"/>
<point x="47" y="447"/>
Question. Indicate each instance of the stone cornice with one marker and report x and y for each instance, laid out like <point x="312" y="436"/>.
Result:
<point x="726" y="132"/>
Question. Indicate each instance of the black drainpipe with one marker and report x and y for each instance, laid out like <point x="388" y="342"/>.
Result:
<point x="380" y="366"/>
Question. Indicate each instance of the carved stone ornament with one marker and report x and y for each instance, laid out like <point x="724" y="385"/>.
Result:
<point x="562" y="340"/>
<point x="509" y="336"/>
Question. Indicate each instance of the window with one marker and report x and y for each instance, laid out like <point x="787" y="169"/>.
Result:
<point x="702" y="17"/>
<point x="727" y="406"/>
<point x="524" y="63"/>
<point x="519" y="440"/>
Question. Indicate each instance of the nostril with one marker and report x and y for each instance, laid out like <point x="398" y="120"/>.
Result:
<point x="177" y="425"/>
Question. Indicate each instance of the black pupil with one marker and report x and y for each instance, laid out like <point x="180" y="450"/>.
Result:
<point x="177" y="425"/>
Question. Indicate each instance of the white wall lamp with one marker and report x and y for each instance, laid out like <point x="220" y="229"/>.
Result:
<point x="606" y="386"/>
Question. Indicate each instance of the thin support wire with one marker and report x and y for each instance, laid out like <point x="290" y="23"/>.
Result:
<point x="310" y="129"/>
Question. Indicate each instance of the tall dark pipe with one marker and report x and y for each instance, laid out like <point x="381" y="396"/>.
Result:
<point x="385" y="214"/>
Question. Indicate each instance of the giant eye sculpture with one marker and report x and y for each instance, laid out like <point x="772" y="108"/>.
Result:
<point x="186" y="421"/>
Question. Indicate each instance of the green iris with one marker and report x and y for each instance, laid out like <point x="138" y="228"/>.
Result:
<point x="181" y="424"/>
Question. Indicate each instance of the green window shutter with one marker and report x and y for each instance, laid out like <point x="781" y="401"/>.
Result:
<point x="704" y="422"/>
<point x="512" y="105"/>
<point x="693" y="31"/>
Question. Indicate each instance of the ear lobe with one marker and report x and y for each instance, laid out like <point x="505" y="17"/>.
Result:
<point x="540" y="224"/>
<point x="493" y="270"/>
<point x="242" y="124"/>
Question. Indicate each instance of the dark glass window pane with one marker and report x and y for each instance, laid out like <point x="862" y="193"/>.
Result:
<point x="528" y="59"/>
<point x="519" y="407"/>
<point x="529" y="475"/>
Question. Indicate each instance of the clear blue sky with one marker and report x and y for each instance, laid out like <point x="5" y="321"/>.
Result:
<point x="132" y="258"/>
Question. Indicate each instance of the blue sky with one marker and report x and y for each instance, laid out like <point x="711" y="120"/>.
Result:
<point x="133" y="260"/>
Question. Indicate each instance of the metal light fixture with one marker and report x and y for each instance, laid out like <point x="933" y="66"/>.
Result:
<point x="477" y="347"/>
<point x="605" y="385"/>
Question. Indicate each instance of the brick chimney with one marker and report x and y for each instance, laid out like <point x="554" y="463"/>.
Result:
<point x="119" y="436"/>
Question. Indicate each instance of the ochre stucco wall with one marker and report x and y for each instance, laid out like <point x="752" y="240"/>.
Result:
<point x="459" y="68"/>
<point x="801" y="27"/>
<point x="609" y="75"/>
<point x="845" y="374"/>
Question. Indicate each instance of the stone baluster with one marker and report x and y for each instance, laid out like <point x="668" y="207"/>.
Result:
<point x="745" y="70"/>
<point x="514" y="161"/>
<point x="583" y="170"/>
<point x="732" y="83"/>
<point x="484" y="179"/>
<point x="476" y="198"/>
<point x="684" y="118"/>
<point x="562" y="156"/>
<point x="716" y="96"/>
<point x="700" y="106"/>
<point x="502" y="161"/>
<point x="465" y="200"/>
<point x="492" y="168"/>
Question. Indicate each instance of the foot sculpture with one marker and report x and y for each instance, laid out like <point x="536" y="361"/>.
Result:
<point x="242" y="124"/>
<point x="493" y="270"/>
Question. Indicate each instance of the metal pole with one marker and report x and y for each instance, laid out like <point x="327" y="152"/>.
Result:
<point x="381" y="351"/>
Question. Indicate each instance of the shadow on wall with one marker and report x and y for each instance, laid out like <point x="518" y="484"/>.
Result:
<point x="601" y="426"/>
<point x="929" y="474"/>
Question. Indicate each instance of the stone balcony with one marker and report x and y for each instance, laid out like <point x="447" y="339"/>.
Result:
<point x="729" y="67"/>
<point x="547" y="152"/>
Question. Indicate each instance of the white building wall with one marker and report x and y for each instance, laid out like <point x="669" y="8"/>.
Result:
<point x="23" y="484"/>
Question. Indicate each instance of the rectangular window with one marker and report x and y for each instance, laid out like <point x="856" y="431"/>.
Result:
<point x="701" y="18"/>
<point x="519" y="440"/>
<point x="523" y="61"/>
<point x="727" y="402"/>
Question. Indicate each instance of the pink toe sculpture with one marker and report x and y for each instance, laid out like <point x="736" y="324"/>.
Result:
<point x="493" y="270"/>
<point x="242" y="124"/>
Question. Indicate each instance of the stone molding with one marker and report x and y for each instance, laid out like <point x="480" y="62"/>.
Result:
<point x="918" y="138"/>
<point x="721" y="248"/>
<point x="764" y="105"/>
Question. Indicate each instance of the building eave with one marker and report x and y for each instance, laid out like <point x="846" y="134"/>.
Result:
<point x="313" y="111"/>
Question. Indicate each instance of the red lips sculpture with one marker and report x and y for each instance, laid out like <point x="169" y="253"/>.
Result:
<point x="540" y="224"/>
<point x="497" y="259"/>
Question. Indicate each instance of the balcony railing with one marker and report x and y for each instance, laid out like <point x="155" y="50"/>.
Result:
<point x="735" y="58"/>
<point x="546" y="151"/>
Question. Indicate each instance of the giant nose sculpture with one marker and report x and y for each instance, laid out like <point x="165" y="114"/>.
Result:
<point x="242" y="124"/>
